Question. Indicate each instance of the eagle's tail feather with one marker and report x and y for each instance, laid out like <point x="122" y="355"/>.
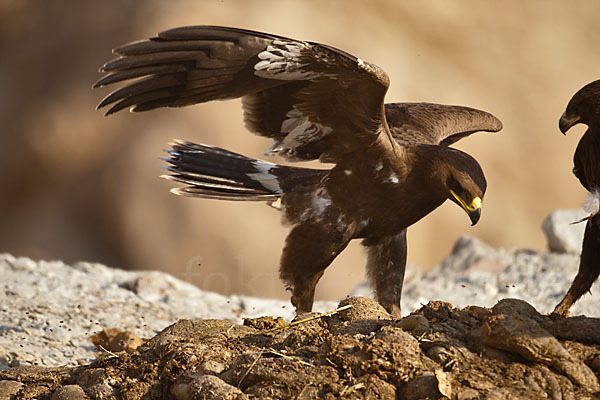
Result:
<point x="212" y="172"/>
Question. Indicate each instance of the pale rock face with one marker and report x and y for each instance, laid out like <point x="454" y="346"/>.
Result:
<point x="562" y="234"/>
<point x="58" y="305"/>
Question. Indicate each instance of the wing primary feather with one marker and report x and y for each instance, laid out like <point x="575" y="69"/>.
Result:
<point x="119" y="76"/>
<point x="222" y="33"/>
<point x="337" y="97"/>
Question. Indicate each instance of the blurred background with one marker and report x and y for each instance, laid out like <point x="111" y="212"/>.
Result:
<point x="75" y="185"/>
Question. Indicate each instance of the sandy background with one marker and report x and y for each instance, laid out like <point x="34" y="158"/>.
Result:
<point x="78" y="186"/>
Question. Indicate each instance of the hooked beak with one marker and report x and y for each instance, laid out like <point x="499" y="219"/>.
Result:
<point x="565" y="123"/>
<point x="473" y="210"/>
<point x="474" y="216"/>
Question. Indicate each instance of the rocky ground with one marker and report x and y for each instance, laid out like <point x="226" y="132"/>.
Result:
<point x="89" y="331"/>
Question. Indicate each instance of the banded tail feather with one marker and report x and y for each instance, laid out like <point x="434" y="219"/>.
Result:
<point x="215" y="173"/>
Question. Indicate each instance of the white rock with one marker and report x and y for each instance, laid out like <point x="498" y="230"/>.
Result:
<point x="53" y="327"/>
<point x="562" y="235"/>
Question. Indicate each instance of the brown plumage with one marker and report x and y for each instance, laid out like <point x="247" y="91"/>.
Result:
<point x="392" y="162"/>
<point x="584" y="108"/>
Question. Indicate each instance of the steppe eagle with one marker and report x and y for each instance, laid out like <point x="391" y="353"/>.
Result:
<point x="584" y="108"/>
<point x="392" y="162"/>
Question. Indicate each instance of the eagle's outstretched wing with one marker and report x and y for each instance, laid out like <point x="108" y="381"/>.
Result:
<point x="415" y="123"/>
<point x="314" y="101"/>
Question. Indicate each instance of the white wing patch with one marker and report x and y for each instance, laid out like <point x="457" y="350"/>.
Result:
<point x="265" y="178"/>
<point x="299" y="131"/>
<point x="282" y="60"/>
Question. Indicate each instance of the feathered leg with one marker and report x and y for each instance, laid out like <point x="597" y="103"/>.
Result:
<point x="386" y="264"/>
<point x="309" y="249"/>
<point x="589" y="267"/>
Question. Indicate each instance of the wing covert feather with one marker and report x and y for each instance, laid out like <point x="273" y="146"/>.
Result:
<point x="428" y="123"/>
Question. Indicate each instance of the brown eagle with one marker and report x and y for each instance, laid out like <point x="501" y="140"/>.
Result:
<point x="392" y="162"/>
<point x="584" y="108"/>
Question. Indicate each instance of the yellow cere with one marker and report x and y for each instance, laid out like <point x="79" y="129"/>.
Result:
<point x="572" y="120"/>
<point x="475" y="204"/>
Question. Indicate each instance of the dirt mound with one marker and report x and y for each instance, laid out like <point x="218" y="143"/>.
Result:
<point x="509" y="351"/>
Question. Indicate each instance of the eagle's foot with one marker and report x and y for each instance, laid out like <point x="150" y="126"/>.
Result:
<point x="393" y="309"/>
<point x="564" y="306"/>
<point x="303" y="302"/>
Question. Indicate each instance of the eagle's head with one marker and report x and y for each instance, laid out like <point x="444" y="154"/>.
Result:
<point x="584" y="107"/>
<point x="463" y="181"/>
